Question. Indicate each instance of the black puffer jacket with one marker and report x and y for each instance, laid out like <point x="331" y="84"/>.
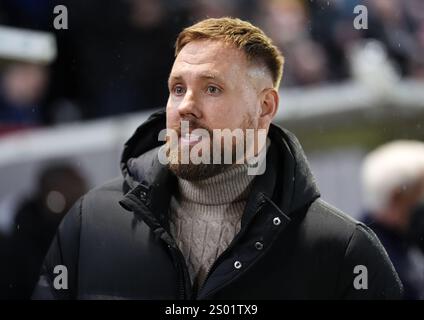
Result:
<point x="116" y="244"/>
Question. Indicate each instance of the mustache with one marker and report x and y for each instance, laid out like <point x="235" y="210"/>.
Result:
<point x="193" y="124"/>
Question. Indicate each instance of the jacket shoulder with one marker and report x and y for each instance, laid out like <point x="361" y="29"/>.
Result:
<point x="329" y="222"/>
<point x="100" y="207"/>
<point x="114" y="185"/>
<point x="103" y="198"/>
<point x="358" y="249"/>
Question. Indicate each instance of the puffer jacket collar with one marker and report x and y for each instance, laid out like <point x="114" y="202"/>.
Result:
<point x="288" y="180"/>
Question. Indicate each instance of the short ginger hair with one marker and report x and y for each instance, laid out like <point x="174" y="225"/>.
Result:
<point x="256" y="45"/>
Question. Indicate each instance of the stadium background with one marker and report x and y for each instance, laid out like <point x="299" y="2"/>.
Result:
<point x="345" y="91"/>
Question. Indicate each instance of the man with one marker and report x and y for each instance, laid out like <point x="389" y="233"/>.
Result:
<point x="187" y="230"/>
<point x="37" y="218"/>
<point x="393" y="185"/>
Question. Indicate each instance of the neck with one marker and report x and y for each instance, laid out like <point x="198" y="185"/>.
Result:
<point x="229" y="186"/>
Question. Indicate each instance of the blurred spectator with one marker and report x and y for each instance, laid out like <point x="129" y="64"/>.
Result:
<point x="390" y="23"/>
<point x="285" y="20"/>
<point x="416" y="65"/>
<point x="115" y="56"/>
<point x="332" y="26"/>
<point x="22" y="89"/>
<point x="29" y="14"/>
<point x="287" y="23"/>
<point x="201" y="9"/>
<point x="393" y="186"/>
<point x="59" y="186"/>
<point x="214" y="9"/>
<point x="306" y="64"/>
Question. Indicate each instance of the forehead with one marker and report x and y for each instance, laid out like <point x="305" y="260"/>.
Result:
<point x="213" y="57"/>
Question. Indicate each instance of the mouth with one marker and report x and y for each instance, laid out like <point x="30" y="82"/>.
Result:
<point x="190" y="139"/>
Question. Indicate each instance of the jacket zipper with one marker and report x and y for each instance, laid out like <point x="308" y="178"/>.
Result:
<point x="258" y="208"/>
<point x="180" y="271"/>
<point x="180" y="264"/>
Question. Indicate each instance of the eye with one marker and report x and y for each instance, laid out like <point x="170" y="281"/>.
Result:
<point x="179" y="90"/>
<point x="213" y="90"/>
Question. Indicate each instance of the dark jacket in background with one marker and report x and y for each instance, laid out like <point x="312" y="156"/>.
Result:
<point x="404" y="254"/>
<point x="25" y="249"/>
<point x="116" y="243"/>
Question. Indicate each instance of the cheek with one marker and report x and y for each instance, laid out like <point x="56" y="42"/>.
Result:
<point x="170" y="104"/>
<point x="232" y="113"/>
<point x="223" y="113"/>
<point x="172" y="115"/>
<point x="245" y="110"/>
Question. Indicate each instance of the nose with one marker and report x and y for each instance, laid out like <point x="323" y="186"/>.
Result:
<point x="189" y="106"/>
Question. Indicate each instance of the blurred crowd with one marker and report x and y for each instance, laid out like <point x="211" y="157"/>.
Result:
<point x="35" y="219"/>
<point x="115" y="58"/>
<point x="393" y="200"/>
<point x="115" y="55"/>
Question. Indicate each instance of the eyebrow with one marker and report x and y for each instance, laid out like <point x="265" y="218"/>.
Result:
<point x="203" y="75"/>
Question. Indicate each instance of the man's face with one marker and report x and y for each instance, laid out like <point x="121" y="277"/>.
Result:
<point x="212" y="86"/>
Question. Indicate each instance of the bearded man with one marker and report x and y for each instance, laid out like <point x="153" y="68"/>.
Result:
<point x="214" y="213"/>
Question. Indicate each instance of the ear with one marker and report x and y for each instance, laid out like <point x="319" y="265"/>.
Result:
<point x="269" y="107"/>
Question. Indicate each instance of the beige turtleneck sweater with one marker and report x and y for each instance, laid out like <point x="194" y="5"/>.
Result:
<point x="205" y="216"/>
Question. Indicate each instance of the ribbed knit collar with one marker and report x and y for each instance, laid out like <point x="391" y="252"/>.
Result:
<point x="229" y="186"/>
